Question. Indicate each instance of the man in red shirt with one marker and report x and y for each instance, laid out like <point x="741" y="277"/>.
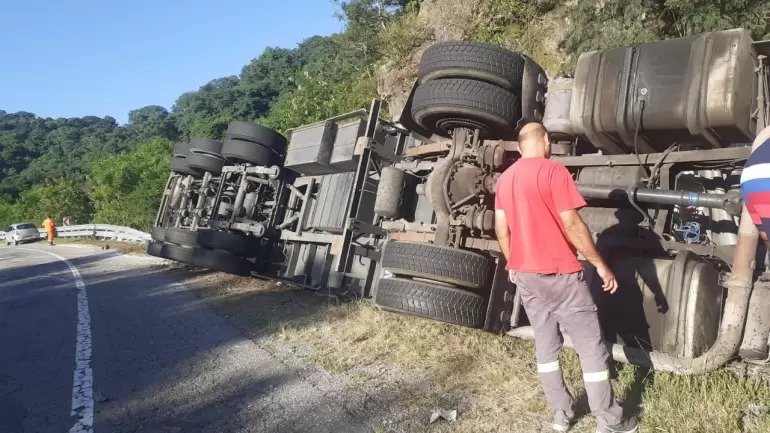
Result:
<point x="539" y="230"/>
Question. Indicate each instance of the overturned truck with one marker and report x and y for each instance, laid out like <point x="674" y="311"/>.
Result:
<point x="402" y="212"/>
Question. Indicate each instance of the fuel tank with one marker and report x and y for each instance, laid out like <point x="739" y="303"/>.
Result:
<point x="669" y="305"/>
<point x="698" y="92"/>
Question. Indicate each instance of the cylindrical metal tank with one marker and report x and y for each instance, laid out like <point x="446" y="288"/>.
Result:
<point x="388" y="200"/>
<point x="556" y="119"/>
<point x="698" y="92"/>
<point x="671" y="306"/>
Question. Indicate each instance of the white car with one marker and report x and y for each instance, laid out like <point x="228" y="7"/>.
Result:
<point x="21" y="232"/>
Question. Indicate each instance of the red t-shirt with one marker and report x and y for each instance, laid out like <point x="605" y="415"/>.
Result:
<point x="532" y="193"/>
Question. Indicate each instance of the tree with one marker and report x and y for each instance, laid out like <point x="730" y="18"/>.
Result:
<point x="364" y="20"/>
<point x="126" y="188"/>
<point x="315" y="100"/>
<point x="8" y="214"/>
<point x="623" y="22"/>
<point x="688" y="17"/>
<point x="207" y="112"/>
<point x="272" y="72"/>
<point x="36" y="150"/>
<point x="58" y="198"/>
<point x="151" y="121"/>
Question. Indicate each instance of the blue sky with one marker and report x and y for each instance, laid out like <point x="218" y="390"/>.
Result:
<point x="89" y="57"/>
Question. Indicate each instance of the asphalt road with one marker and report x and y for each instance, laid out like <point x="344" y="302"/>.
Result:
<point x="128" y="350"/>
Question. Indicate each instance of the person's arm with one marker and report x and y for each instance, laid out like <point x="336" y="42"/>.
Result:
<point x="503" y="233"/>
<point x="504" y="239"/>
<point x="502" y="230"/>
<point x="578" y="234"/>
<point x="567" y="200"/>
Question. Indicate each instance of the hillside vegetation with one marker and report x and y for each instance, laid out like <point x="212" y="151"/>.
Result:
<point x="92" y="169"/>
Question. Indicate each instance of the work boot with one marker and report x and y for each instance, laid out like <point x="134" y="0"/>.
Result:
<point x="630" y="425"/>
<point x="562" y="421"/>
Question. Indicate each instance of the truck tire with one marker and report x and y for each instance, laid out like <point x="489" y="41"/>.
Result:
<point x="442" y="105"/>
<point x="181" y="237"/>
<point x="180" y="149"/>
<point x="447" y="265"/>
<point x="473" y="60"/>
<point x="206" y="146"/>
<point x="246" y="151"/>
<point x="205" y="162"/>
<point x="179" y="165"/>
<point x="266" y="137"/>
<point x="233" y="243"/>
<point x="158" y="234"/>
<point x="221" y="261"/>
<point x="177" y="253"/>
<point x="154" y="248"/>
<point x="431" y="301"/>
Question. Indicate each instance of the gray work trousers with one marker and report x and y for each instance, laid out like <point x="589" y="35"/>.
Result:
<point x="555" y="300"/>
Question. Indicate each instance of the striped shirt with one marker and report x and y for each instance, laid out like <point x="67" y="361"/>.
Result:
<point x="755" y="186"/>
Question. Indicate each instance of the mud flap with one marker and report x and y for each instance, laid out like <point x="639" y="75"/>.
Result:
<point x="501" y="296"/>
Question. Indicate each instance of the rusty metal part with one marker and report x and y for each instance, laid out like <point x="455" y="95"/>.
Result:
<point x="490" y="156"/>
<point x="436" y="148"/>
<point x="405" y="226"/>
<point x="484" y="219"/>
<point x="464" y="184"/>
<point x="490" y="181"/>
<point x="507" y="145"/>
<point x="412" y="237"/>
<point x="436" y="190"/>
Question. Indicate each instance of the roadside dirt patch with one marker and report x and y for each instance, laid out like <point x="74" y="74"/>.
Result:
<point x="396" y="370"/>
<point x="123" y="247"/>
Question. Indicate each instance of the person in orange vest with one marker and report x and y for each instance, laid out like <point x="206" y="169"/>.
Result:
<point x="50" y="227"/>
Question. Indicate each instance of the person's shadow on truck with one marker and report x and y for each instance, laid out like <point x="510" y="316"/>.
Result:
<point x="625" y="316"/>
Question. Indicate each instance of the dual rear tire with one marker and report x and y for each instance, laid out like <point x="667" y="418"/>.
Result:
<point x="253" y="144"/>
<point x="219" y="251"/>
<point x="434" y="282"/>
<point x="467" y="84"/>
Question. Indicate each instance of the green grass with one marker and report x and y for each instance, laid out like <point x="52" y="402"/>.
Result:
<point x="490" y="379"/>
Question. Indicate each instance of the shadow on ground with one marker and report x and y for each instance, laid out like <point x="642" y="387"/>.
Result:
<point x="164" y="362"/>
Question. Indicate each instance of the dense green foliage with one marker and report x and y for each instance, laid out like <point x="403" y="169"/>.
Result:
<point x="92" y="169"/>
<point x="35" y="150"/>
<point x="555" y="32"/>
<point x="125" y="188"/>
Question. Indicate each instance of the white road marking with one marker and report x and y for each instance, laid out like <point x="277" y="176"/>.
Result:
<point x="83" y="378"/>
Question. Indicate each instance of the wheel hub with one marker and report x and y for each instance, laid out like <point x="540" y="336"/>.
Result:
<point x="449" y="124"/>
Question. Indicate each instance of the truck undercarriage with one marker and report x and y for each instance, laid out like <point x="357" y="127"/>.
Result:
<point x="655" y="136"/>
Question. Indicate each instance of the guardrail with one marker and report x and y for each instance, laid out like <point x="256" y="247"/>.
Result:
<point x="103" y="231"/>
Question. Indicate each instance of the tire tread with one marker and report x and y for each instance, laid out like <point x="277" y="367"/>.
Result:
<point x="474" y="56"/>
<point x="448" y="265"/>
<point x="431" y="301"/>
